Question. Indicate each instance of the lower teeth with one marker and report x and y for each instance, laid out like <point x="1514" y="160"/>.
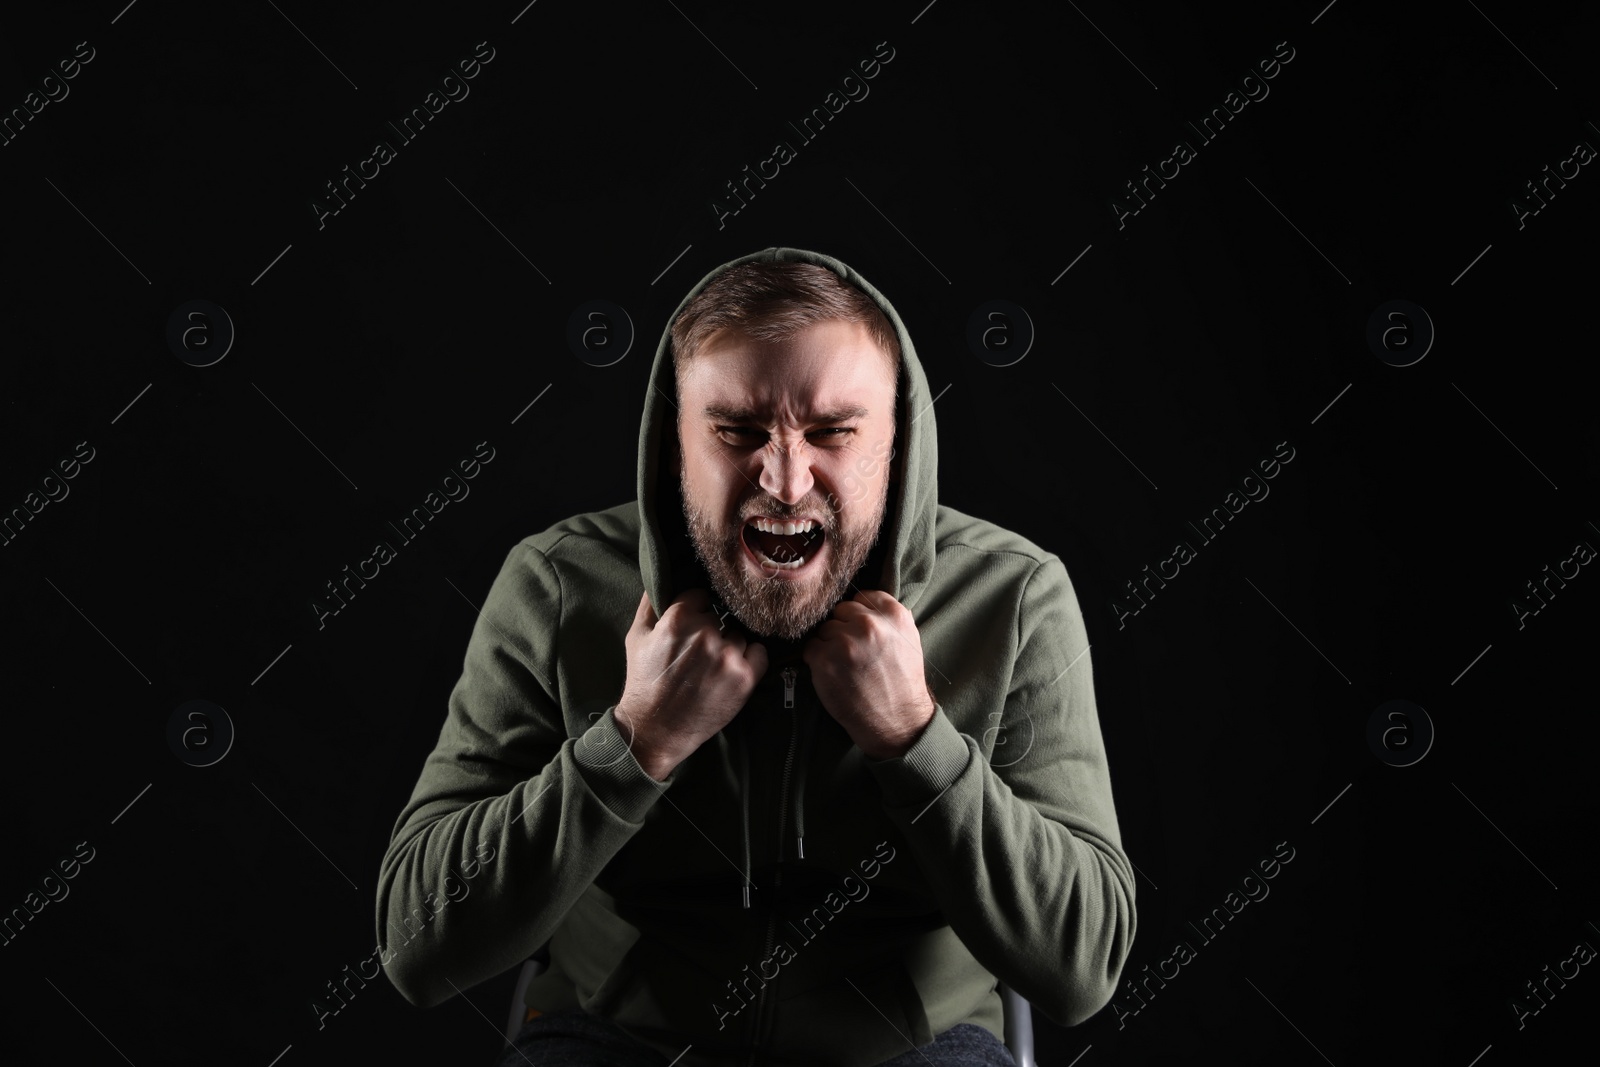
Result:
<point x="791" y="565"/>
<point x="810" y="548"/>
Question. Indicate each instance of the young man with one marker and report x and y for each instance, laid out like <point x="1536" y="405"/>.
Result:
<point x="783" y="761"/>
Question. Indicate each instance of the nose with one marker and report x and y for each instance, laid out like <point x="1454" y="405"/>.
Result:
<point x="786" y="470"/>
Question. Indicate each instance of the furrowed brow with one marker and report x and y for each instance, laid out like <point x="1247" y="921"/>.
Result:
<point x="724" y="413"/>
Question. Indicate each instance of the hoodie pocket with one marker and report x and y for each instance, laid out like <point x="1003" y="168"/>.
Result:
<point x="871" y="1016"/>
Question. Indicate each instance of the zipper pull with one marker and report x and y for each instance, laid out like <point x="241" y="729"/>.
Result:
<point x="788" y="686"/>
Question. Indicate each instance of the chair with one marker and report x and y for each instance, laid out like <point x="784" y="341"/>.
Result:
<point x="1018" y="1013"/>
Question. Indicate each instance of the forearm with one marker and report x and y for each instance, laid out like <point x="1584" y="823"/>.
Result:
<point x="1045" y="904"/>
<point x="444" y="930"/>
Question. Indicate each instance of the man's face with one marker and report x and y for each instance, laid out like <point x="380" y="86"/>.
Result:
<point x="790" y="431"/>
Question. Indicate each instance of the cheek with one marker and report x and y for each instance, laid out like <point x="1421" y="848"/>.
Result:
<point x="711" y="481"/>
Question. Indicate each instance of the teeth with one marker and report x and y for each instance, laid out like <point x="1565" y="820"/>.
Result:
<point x="801" y="526"/>
<point x="769" y="526"/>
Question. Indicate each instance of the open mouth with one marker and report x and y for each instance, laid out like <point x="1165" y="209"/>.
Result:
<point x="782" y="545"/>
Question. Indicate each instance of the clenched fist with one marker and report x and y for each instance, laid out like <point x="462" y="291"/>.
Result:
<point x="866" y="666"/>
<point x="686" y="680"/>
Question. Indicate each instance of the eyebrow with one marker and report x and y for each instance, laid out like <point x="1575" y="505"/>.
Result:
<point x="724" y="413"/>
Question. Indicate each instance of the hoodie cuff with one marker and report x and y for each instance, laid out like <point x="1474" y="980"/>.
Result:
<point x="607" y="766"/>
<point x="935" y="759"/>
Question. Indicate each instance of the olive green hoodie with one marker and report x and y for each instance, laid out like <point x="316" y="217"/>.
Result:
<point x="780" y="898"/>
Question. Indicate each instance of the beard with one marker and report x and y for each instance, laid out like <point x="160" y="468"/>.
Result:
<point x="777" y="607"/>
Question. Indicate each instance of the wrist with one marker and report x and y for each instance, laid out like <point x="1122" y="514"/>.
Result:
<point x="645" y="753"/>
<point x="898" y="747"/>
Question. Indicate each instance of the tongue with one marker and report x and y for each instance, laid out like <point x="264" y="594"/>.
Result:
<point x="780" y="547"/>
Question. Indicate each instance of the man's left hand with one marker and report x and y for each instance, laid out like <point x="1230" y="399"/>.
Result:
<point x="866" y="665"/>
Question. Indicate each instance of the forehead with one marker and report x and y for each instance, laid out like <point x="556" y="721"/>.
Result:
<point x="829" y="367"/>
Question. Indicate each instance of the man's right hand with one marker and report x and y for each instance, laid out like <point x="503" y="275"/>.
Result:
<point x="687" y="679"/>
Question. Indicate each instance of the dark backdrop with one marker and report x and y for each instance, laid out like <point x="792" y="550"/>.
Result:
<point x="1173" y="349"/>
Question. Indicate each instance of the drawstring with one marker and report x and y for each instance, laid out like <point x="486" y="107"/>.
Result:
<point x="800" y="787"/>
<point x="744" y="808"/>
<point x="802" y="758"/>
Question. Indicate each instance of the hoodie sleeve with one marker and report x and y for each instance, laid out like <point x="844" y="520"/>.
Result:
<point x="1030" y="871"/>
<point x="511" y="819"/>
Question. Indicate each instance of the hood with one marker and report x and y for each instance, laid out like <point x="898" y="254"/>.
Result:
<point x="901" y="563"/>
<point x="904" y="554"/>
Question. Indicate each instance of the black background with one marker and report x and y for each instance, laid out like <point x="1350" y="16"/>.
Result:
<point x="1222" y="319"/>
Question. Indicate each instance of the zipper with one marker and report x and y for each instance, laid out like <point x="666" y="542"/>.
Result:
<point x="789" y="676"/>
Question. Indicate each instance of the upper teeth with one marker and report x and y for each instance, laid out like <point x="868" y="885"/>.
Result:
<point x="768" y="526"/>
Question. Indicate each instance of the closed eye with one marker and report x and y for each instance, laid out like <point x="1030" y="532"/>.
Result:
<point x="746" y="431"/>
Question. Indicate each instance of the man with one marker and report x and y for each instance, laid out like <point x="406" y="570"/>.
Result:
<point x="783" y="762"/>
